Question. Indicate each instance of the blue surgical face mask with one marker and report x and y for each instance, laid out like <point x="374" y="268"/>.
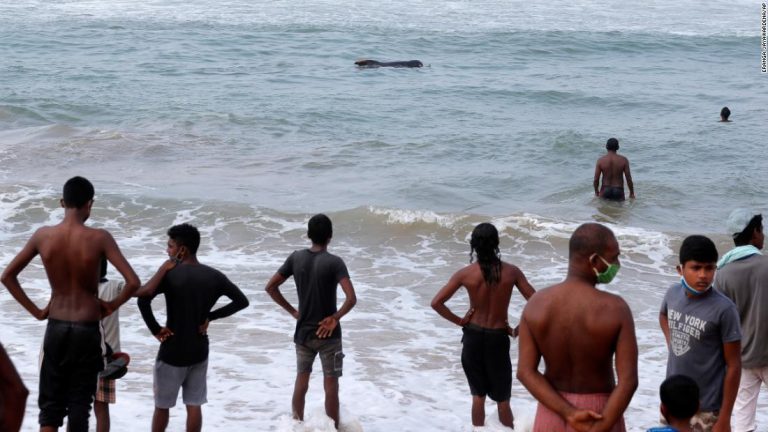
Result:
<point x="692" y="291"/>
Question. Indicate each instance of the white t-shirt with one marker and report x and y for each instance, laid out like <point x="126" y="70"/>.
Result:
<point x="108" y="291"/>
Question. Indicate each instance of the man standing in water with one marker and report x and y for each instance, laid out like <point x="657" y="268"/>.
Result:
<point x="191" y="290"/>
<point x="578" y="330"/>
<point x="485" y="353"/>
<point x="724" y="114"/>
<point x="72" y="350"/>
<point x="613" y="168"/>
<point x="317" y="274"/>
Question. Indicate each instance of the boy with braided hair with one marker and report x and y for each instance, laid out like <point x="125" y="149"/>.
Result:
<point x="485" y="354"/>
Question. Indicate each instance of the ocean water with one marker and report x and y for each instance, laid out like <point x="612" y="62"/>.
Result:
<point x="245" y="118"/>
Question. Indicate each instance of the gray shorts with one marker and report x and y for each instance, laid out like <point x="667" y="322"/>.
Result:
<point x="168" y="380"/>
<point x="331" y="356"/>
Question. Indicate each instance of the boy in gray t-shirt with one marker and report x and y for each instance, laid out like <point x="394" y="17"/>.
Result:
<point x="317" y="274"/>
<point x="702" y="330"/>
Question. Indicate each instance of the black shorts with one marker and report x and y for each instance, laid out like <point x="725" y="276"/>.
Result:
<point x="72" y="358"/>
<point x="485" y="358"/>
<point x="613" y="193"/>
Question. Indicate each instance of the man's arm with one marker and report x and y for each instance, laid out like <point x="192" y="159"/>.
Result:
<point x="626" y="371"/>
<point x="596" y="180"/>
<point x="628" y="175"/>
<point x="154" y="282"/>
<point x="273" y="289"/>
<point x="525" y="288"/>
<point x="13" y="395"/>
<point x="664" y="324"/>
<point x="10" y="278"/>
<point x="145" y="307"/>
<point x="132" y="282"/>
<point x="445" y="294"/>
<point x="732" y="354"/>
<point x="350" y="298"/>
<point x="239" y="301"/>
<point x="328" y="324"/>
<point x="540" y="388"/>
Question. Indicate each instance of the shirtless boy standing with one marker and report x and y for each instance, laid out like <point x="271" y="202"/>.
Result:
<point x="613" y="168"/>
<point x="485" y="354"/>
<point x="72" y="349"/>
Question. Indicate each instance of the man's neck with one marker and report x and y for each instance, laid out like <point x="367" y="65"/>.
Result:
<point x="74" y="216"/>
<point x="318" y="247"/>
<point x="581" y="276"/>
<point x="681" y="425"/>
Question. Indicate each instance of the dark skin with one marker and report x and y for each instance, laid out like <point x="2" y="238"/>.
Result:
<point x="489" y="309"/>
<point x="699" y="276"/>
<point x="13" y="395"/>
<point x="594" y="331"/>
<point x="178" y="255"/>
<point x="71" y="253"/>
<point x="325" y="328"/>
<point x="613" y="168"/>
<point x="681" y="425"/>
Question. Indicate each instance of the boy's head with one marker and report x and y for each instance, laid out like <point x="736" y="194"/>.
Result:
<point x="698" y="260"/>
<point x="484" y="243"/>
<point x="725" y="113"/>
<point x="182" y="240"/>
<point x="320" y="229"/>
<point x="679" y="398"/>
<point x="78" y="192"/>
<point x="612" y="144"/>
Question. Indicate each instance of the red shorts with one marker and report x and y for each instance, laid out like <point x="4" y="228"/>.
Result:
<point x="549" y="421"/>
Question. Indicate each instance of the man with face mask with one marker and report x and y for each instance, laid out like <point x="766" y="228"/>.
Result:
<point x="191" y="290"/>
<point x="703" y="335"/>
<point x="580" y="332"/>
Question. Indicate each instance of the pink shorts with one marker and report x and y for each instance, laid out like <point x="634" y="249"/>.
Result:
<point x="549" y="421"/>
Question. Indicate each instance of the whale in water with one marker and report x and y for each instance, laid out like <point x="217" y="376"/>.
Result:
<point x="398" y="64"/>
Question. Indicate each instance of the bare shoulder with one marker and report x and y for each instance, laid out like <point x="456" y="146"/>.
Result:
<point x="99" y="236"/>
<point x="99" y="232"/>
<point x="466" y="271"/>
<point x="613" y="304"/>
<point x="541" y="301"/>
<point x="511" y="269"/>
<point x="43" y="232"/>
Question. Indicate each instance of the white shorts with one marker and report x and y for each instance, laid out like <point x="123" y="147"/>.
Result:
<point x="746" y="400"/>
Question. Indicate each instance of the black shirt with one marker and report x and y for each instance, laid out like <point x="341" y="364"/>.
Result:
<point x="191" y="291"/>
<point x="317" y="274"/>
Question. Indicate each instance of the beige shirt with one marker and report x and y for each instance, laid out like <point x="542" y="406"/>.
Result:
<point x="108" y="291"/>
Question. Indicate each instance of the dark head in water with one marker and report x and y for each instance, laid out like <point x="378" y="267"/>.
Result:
<point x="398" y="64"/>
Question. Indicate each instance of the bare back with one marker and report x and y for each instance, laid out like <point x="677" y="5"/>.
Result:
<point x="612" y="167"/>
<point x="577" y="329"/>
<point x="71" y="254"/>
<point x="490" y="303"/>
